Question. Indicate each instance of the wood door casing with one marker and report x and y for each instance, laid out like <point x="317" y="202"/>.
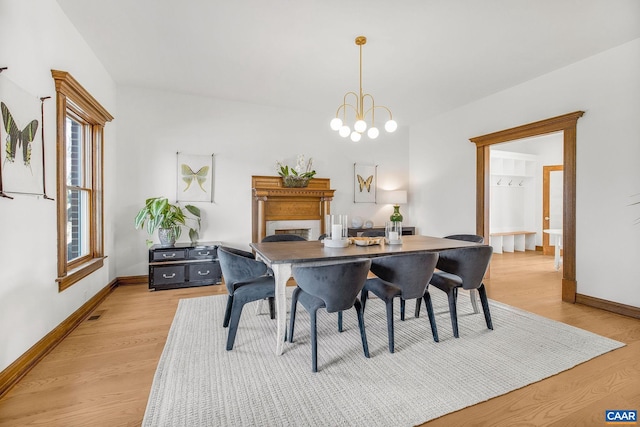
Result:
<point x="566" y="123"/>
<point x="547" y="249"/>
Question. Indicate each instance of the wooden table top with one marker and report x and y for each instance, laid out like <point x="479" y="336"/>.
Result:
<point x="310" y="251"/>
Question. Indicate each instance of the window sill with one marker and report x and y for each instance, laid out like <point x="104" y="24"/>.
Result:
<point x="79" y="273"/>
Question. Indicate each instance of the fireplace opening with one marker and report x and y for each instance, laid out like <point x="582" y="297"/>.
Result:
<point x="305" y="233"/>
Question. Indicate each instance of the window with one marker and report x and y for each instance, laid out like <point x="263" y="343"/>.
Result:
<point x="80" y="121"/>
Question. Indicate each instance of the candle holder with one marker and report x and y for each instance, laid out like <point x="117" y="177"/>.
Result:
<point x="393" y="233"/>
<point x="337" y="230"/>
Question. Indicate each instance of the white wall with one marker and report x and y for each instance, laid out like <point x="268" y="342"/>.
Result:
<point x="607" y="88"/>
<point x="247" y="140"/>
<point x="35" y="37"/>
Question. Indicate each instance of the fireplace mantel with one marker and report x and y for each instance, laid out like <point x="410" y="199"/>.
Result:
<point x="271" y="201"/>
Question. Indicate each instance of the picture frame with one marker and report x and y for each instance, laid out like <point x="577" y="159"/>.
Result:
<point x="194" y="177"/>
<point x="364" y="183"/>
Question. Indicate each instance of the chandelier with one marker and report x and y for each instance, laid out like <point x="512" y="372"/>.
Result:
<point x="356" y="102"/>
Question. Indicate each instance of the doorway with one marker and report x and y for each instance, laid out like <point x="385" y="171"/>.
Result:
<point x="567" y="124"/>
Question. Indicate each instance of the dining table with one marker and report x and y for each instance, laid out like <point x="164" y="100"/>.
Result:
<point x="281" y="257"/>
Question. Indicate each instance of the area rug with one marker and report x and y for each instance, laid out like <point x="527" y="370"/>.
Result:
<point x="199" y="383"/>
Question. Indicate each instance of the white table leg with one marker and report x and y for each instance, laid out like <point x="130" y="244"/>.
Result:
<point x="557" y="252"/>
<point x="473" y="294"/>
<point x="281" y="273"/>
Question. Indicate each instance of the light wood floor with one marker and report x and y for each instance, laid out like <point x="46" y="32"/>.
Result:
<point x="101" y="374"/>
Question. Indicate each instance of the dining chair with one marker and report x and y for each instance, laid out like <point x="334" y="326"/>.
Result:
<point x="405" y="277"/>
<point x="373" y="233"/>
<point x="463" y="268"/>
<point x="472" y="295"/>
<point x="246" y="280"/>
<point x="333" y="285"/>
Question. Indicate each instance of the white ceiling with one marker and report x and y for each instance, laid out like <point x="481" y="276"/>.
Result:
<point x="423" y="57"/>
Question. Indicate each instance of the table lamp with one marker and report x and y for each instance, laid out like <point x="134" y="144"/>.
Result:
<point x="396" y="198"/>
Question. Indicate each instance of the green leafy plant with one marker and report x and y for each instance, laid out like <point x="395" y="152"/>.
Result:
<point x="301" y="170"/>
<point x="159" y="213"/>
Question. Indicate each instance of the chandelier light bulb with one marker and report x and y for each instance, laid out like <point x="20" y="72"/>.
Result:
<point x="373" y="132"/>
<point x="336" y="124"/>
<point x="344" y="131"/>
<point x="360" y="126"/>
<point x="355" y="136"/>
<point x="391" y="126"/>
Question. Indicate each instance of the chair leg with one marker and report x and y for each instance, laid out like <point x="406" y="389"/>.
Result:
<point x="339" y="321"/>
<point x="417" y="313"/>
<point x="453" y="312"/>
<point x="432" y="317"/>
<point x="314" y="341"/>
<point x="485" y="305"/>
<point x="365" y="345"/>
<point x="402" y="309"/>
<point x="234" y="321"/>
<point x="227" y="313"/>
<point x="272" y="308"/>
<point x="390" y="325"/>
<point x="364" y="295"/>
<point x="292" y="319"/>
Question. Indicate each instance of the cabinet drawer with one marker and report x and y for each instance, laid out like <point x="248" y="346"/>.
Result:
<point x="206" y="271"/>
<point x="168" y="274"/>
<point x="169" y="254"/>
<point x="203" y="253"/>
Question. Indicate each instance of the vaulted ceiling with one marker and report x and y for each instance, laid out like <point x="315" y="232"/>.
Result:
<point x="423" y="57"/>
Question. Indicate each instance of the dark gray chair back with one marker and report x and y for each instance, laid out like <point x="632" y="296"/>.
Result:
<point x="373" y="233"/>
<point x="336" y="283"/>
<point x="470" y="264"/>
<point x="283" y="238"/>
<point x="410" y="272"/>
<point x="466" y="237"/>
<point x="237" y="267"/>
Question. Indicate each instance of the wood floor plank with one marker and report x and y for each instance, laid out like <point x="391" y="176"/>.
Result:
<point x="101" y="374"/>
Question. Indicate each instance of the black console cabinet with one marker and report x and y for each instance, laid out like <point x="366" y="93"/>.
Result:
<point x="183" y="265"/>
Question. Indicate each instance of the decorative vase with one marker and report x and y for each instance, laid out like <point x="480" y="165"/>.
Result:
<point x="396" y="215"/>
<point x="294" y="181"/>
<point x="167" y="236"/>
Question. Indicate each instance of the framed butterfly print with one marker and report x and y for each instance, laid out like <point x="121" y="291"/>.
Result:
<point x="364" y="183"/>
<point x="194" y="178"/>
<point x="21" y="153"/>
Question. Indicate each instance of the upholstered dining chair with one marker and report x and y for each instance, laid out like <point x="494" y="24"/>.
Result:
<point x="246" y="280"/>
<point x="373" y="233"/>
<point x="404" y="277"/>
<point x="283" y="238"/>
<point x="333" y="285"/>
<point x="466" y="238"/>
<point x="463" y="268"/>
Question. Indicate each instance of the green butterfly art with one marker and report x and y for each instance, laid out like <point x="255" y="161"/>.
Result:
<point x="17" y="138"/>
<point x="188" y="176"/>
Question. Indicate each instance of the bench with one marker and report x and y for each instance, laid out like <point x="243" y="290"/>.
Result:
<point x="509" y="241"/>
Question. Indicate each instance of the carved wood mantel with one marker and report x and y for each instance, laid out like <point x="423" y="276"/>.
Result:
<point x="271" y="201"/>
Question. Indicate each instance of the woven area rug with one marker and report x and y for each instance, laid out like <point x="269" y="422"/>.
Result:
<point x="199" y="383"/>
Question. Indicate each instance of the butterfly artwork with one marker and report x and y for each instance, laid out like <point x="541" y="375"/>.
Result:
<point x="194" y="177"/>
<point x="188" y="176"/>
<point x="365" y="183"/>
<point x="16" y="138"/>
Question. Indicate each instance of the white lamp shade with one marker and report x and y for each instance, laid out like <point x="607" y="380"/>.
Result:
<point x="336" y="124"/>
<point x="360" y="126"/>
<point x="396" y="197"/>
<point x="344" y="131"/>
<point x="355" y="136"/>
<point x="391" y="126"/>
<point x="373" y="133"/>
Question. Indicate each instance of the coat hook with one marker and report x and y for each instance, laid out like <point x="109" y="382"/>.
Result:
<point x="521" y="183"/>
<point x="499" y="181"/>
<point x="510" y="182"/>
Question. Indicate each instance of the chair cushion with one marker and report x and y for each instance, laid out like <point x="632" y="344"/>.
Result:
<point x="382" y="289"/>
<point x="254" y="289"/>
<point x="445" y="281"/>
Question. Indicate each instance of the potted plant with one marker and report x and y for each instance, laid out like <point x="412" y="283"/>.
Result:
<point x="159" y="214"/>
<point x="297" y="176"/>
